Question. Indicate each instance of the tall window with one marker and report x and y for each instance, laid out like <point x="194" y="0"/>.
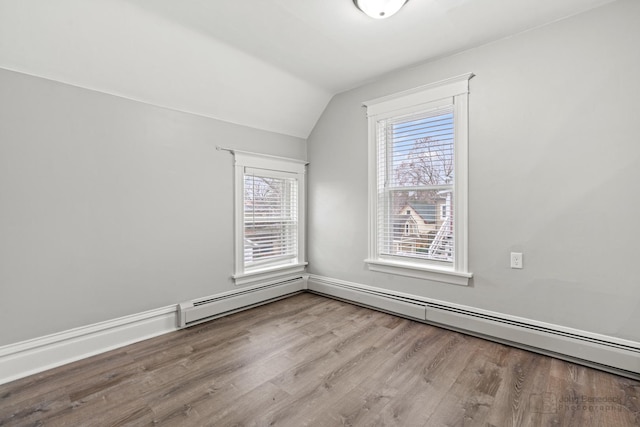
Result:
<point x="269" y="217"/>
<point x="418" y="168"/>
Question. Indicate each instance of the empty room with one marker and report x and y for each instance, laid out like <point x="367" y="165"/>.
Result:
<point x="319" y="212"/>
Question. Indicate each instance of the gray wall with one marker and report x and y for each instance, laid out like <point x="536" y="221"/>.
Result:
<point x="554" y="173"/>
<point x="110" y="207"/>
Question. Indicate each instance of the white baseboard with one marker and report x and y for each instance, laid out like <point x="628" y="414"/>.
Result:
<point x="36" y="355"/>
<point x="600" y="351"/>
<point x="603" y="352"/>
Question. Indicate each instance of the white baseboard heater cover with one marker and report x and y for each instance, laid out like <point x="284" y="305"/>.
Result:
<point x="370" y="299"/>
<point x="618" y="356"/>
<point x="201" y="310"/>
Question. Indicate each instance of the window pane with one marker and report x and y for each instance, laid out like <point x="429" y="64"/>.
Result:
<point x="270" y="219"/>
<point x="422" y="232"/>
<point x="421" y="150"/>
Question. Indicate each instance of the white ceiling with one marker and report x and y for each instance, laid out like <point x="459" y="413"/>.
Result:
<point x="269" y="64"/>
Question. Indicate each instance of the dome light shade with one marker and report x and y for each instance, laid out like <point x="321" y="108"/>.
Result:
<point x="379" y="9"/>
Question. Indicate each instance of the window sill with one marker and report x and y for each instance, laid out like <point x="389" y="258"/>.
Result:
<point x="435" y="273"/>
<point x="269" y="273"/>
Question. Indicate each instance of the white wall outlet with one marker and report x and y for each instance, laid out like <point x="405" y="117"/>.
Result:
<point x="516" y="259"/>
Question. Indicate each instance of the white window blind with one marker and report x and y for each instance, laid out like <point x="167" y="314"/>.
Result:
<point x="415" y="184"/>
<point x="270" y="218"/>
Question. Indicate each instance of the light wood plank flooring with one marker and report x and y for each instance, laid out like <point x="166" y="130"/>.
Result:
<point x="313" y="361"/>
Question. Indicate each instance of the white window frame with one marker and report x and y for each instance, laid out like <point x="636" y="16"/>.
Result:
<point x="245" y="163"/>
<point x="453" y="91"/>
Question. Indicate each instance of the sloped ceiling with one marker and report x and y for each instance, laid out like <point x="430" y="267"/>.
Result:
<point x="268" y="64"/>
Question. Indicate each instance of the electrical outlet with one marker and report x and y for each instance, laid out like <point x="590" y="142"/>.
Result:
<point x="516" y="260"/>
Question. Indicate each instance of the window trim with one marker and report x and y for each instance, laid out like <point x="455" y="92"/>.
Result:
<point x="454" y="91"/>
<point x="279" y="166"/>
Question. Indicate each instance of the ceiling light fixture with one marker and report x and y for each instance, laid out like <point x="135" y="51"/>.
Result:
<point x="379" y="9"/>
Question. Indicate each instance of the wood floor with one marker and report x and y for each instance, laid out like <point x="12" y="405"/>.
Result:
<point x="312" y="361"/>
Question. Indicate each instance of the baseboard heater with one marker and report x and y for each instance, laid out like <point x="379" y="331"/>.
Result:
<point x="610" y="354"/>
<point x="201" y="310"/>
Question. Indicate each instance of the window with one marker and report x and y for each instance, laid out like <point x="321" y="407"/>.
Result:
<point x="269" y="217"/>
<point x="418" y="164"/>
